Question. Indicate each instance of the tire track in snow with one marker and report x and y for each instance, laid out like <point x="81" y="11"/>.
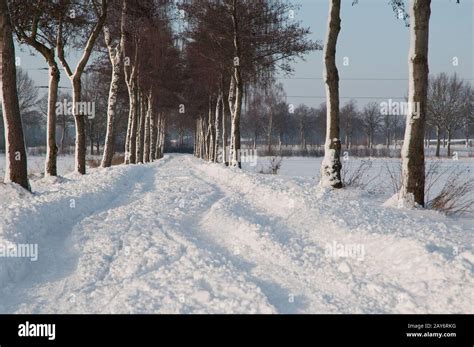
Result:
<point x="372" y="285"/>
<point x="305" y="282"/>
<point x="163" y="264"/>
<point x="223" y="241"/>
<point x="52" y="223"/>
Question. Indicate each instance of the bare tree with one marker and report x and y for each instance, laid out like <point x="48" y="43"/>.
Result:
<point x="458" y="97"/>
<point x="301" y="114"/>
<point x="115" y="56"/>
<point x="249" y="38"/>
<point x="413" y="158"/>
<point x="16" y="160"/>
<point x="282" y="121"/>
<point x="371" y="119"/>
<point x="35" y="25"/>
<point x="331" y="164"/>
<point x="27" y="91"/>
<point x="446" y="106"/>
<point x="75" y="78"/>
<point x="275" y="94"/>
<point x="468" y="119"/>
<point x="389" y="125"/>
<point x="348" y="115"/>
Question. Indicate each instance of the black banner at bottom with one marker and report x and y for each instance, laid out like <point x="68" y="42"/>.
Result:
<point x="382" y="330"/>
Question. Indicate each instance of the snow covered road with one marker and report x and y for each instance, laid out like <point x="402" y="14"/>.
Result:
<point x="183" y="236"/>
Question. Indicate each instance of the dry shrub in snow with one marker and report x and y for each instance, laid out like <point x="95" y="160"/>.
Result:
<point x="457" y="195"/>
<point x="273" y="167"/>
<point x="356" y="176"/>
<point x="395" y="174"/>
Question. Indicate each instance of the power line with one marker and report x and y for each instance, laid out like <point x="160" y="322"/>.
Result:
<point x="345" y="97"/>
<point x="46" y="87"/>
<point x="356" y="79"/>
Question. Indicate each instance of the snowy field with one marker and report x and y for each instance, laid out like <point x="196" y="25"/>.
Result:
<point x="184" y="236"/>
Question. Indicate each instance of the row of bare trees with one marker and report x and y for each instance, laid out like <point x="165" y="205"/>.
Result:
<point x="413" y="157"/>
<point x="230" y="46"/>
<point x="143" y="56"/>
<point x="449" y="108"/>
<point x="225" y="49"/>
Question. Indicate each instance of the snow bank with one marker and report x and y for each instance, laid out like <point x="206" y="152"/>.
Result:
<point x="184" y="236"/>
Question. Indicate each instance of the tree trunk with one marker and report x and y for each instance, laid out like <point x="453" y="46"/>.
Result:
<point x="269" y="132"/>
<point x="235" y="125"/>
<point x="16" y="160"/>
<point x="224" y="132"/>
<point x="413" y="157"/>
<point x="331" y="165"/>
<point x="91" y="136"/>
<point x="50" y="168"/>
<point x="236" y="108"/>
<point x="438" y="141"/>
<point x="115" y="56"/>
<point x="141" y="114"/>
<point x="197" y="139"/>
<point x="158" y="137"/>
<point x="448" y="132"/>
<point x="80" y="150"/>
<point x="134" y="107"/>
<point x="63" y="134"/>
<point x="147" y="141"/>
<point x="153" y="132"/>
<point x="211" y="133"/>
<point x="129" y="154"/>
<point x="162" y="136"/>
<point x="216" y="127"/>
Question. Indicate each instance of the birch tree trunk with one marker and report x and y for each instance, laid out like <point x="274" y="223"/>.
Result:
<point x="153" y="132"/>
<point x="158" y="137"/>
<point x="131" y="110"/>
<point x="236" y="108"/>
<point x="211" y="132"/>
<point x="91" y="136"/>
<point x="147" y="142"/>
<point x="197" y="139"/>
<point x="449" y="142"/>
<point x="162" y="136"/>
<point x="134" y="107"/>
<point x="75" y="77"/>
<point x="413" y="158"/>
<point x="235" y="127"/>
<point x="269" y="132"/>
<point x="50" y="167"/>
<point x="16" y="160"/>
<point x="80" y="148"/>
<point x="331" y="165"/>
<point x="216" y="127"/>
<point x="63" y="135"/>
<point x="115" y="56"/>
<point x="224" y="133"/>
<point x="54" y="76"/>
<point x="438" y="141"/>
<point x="141" y="115"/>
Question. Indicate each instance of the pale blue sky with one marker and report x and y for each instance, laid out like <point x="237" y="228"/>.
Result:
<point x="374" y="41"/>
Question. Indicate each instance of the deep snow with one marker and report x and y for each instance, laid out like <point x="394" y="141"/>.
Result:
<point x="184" y="236"/>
